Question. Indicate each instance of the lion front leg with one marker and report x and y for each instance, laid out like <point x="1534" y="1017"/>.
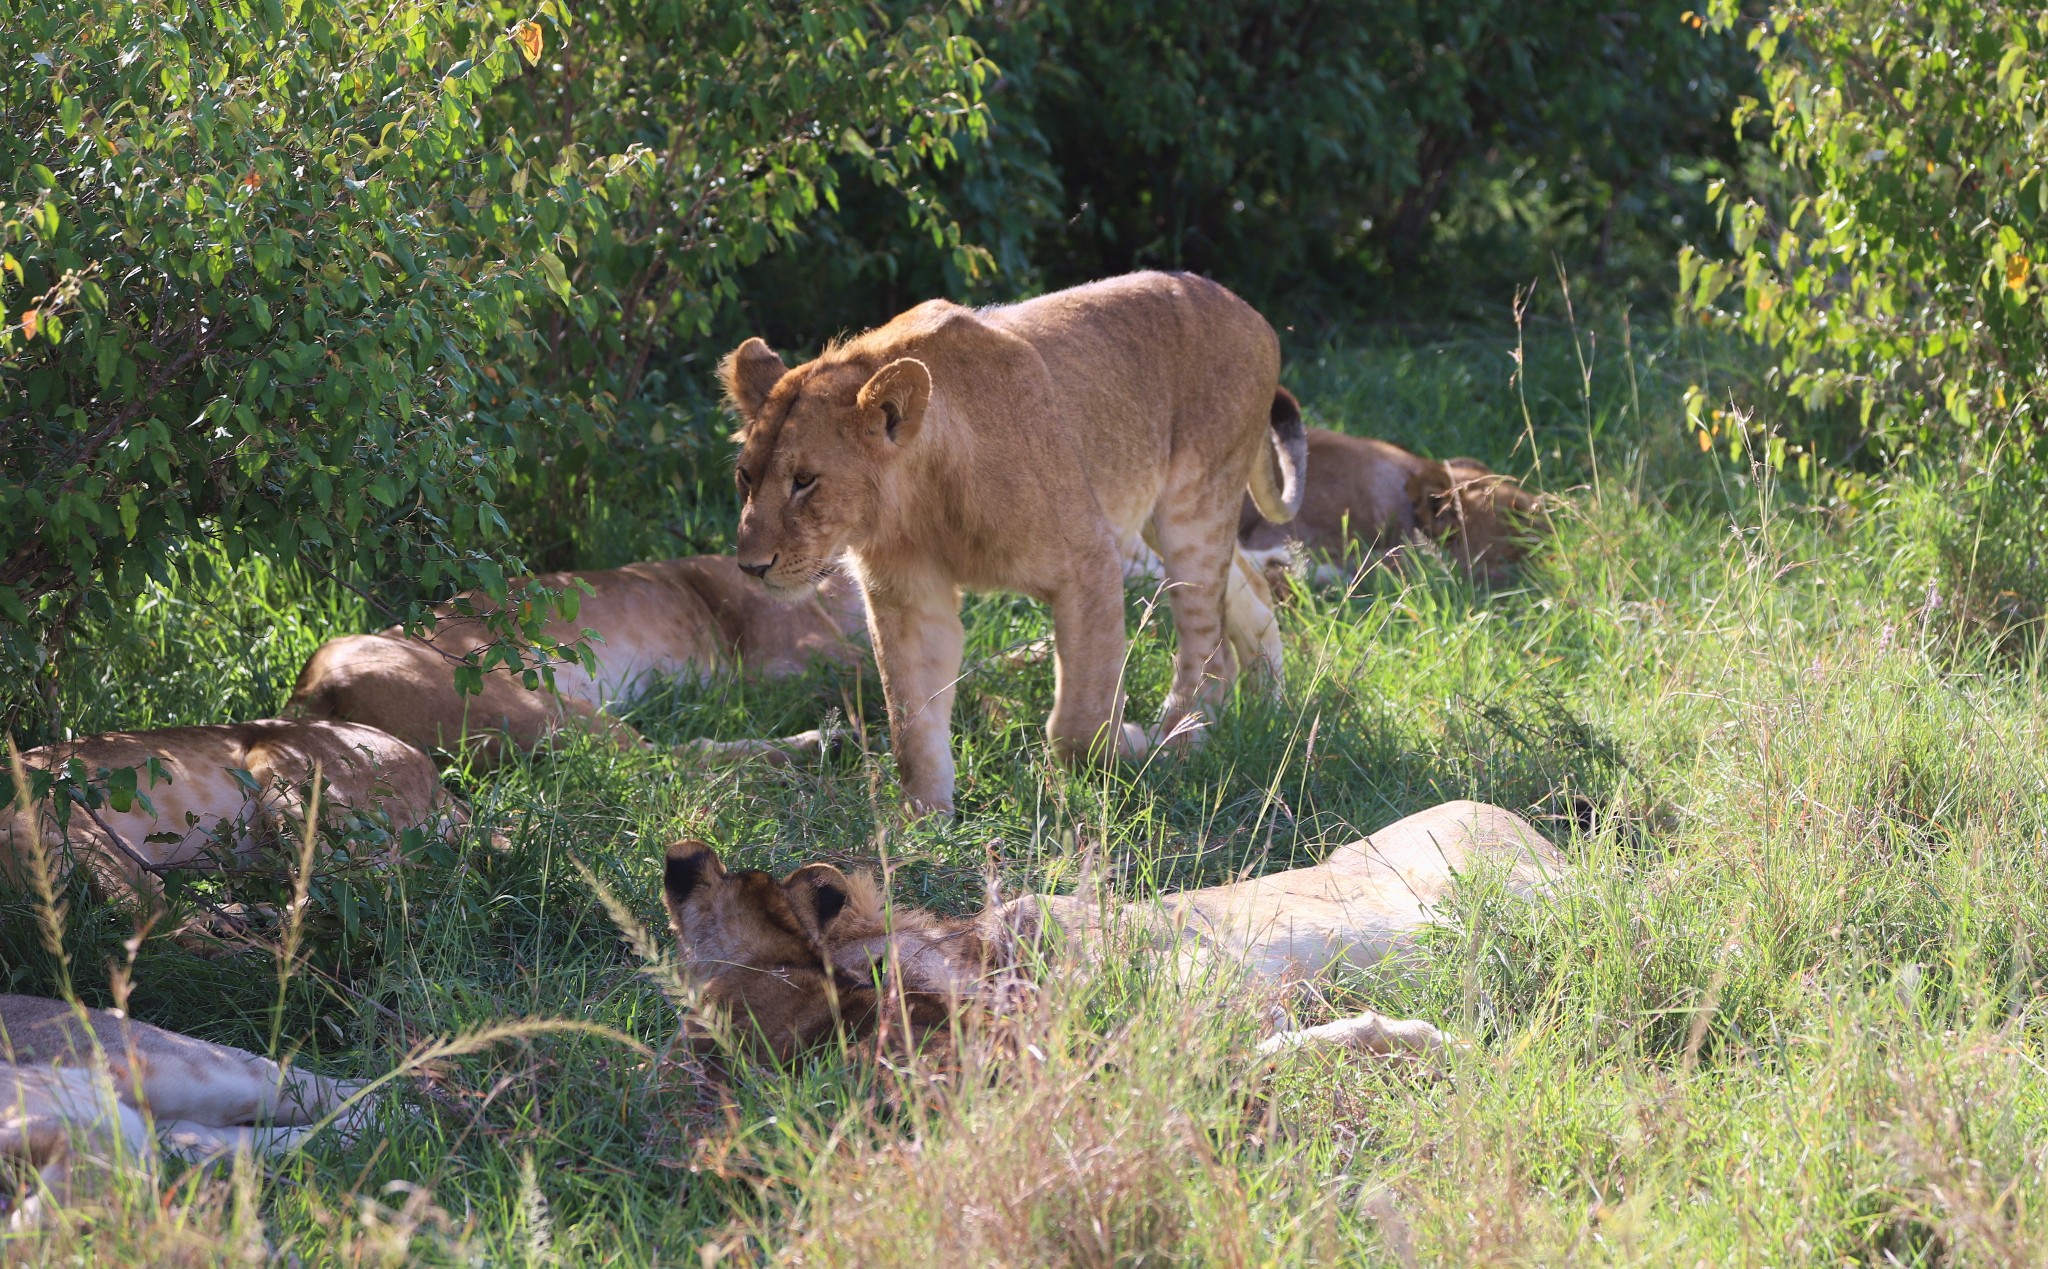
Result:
<point x="918" y="642"/>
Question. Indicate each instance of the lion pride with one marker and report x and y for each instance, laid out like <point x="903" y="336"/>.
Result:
<point x="1018" y="448"/>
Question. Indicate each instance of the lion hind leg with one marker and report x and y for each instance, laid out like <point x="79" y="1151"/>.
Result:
<point x="1198" y="547"/>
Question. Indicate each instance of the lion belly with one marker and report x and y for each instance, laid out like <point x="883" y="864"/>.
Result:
<point x="1369" y="899"/>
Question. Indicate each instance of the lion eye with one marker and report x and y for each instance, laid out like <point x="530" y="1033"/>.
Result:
<point x="746" y="484"/>
<point x="801" y="481"/>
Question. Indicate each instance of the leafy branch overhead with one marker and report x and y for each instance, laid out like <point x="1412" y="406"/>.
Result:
<point x="310" y="280"/>
<point x="1899" y="266"/>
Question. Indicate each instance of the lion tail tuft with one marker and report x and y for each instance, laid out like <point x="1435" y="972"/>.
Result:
<point x="1278" y="475"/>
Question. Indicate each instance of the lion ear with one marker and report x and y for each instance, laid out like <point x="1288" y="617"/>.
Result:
<point x="817" y="893"/>
<point x="688" y="866"/>
<point x="900" y="390"/>
<point x="749" y="373"/>
<point x="1428" y="491"/>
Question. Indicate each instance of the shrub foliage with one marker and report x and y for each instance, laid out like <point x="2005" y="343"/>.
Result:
<point x="1290" y="145"/>
<point x="259" y="264"/>
<point x="345" y="283"/>
<point x="1902" y="266"/>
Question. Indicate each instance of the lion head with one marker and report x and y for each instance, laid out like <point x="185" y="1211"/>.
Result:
<point x="1485" y="520"/>
<point x="754" y="946"/>
<point x="818" y="445"/>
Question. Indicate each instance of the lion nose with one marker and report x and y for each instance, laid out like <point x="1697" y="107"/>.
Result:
<point x="761" y="570"/>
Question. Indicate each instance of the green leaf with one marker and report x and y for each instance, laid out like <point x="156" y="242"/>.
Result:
<point x="121" y="788"/>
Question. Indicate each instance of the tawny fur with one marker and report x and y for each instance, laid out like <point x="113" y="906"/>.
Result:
<point x="84" y="1085"/>
<point x="1366" y="496"/>
<point x="751" y="948"/>
<point x="202" y="814"/>
<point x="1362" y="907"/>
<point x="1019" y="449"/>
<point x="692" y="617"/>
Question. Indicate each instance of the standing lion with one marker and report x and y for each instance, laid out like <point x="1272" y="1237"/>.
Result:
<point x="1016" y="449"/>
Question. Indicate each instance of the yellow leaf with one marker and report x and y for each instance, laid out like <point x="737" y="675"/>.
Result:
<point x="2016" y="268"/>
<point x="30" y="319"/>
<point x="530" y="40"/>
<point x="1706" y="441"/>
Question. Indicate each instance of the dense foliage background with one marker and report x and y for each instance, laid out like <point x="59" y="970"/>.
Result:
<point x="1316" y="156"/>
<point x="368" y="288"/>
<point x="417" y="294"/>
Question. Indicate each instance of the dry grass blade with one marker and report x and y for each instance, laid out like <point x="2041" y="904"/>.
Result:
<point x="41" y="876"/>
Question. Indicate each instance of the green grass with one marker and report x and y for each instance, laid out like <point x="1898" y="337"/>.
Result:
<point x="1787" y="1012"/>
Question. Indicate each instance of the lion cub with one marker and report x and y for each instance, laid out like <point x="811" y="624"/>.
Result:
<point x="1365" y="494"/>
<point x="1018" y="448"/>
<point x="790" y="961"/>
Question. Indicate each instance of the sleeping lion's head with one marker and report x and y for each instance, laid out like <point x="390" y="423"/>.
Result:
<point x="1487" y="521"/>
<point x="755" y="948"/>
<point x="817" y="445"/>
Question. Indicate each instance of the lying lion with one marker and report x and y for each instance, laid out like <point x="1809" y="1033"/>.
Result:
<point x="216" y="795"/>
<point x="81" y="1085"/>
<point x="1017" y="449"/>
<point x="692" y="617"/>
<point x="1368" y="495"/>
<point x="794" y="961"/>
<point x="1365" y="499"/>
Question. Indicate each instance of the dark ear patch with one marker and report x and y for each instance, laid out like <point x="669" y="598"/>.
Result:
<point x="817" y="894"/>
<point x="1428" y="490"/>
<point x="687" y="866"/>
<point x="830" y="900"/>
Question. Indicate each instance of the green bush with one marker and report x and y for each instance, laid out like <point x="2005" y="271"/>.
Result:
<point x="1897" y="271"/>
<point x="256" y="266"/>
<point x="745" y="117"/>
<point x="371" y="288"/>
<point x="1291" y="146"/>
<point x="1902" y="265"/>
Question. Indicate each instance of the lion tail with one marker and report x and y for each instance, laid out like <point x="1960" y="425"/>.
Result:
<point x="1278" y="475"/>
